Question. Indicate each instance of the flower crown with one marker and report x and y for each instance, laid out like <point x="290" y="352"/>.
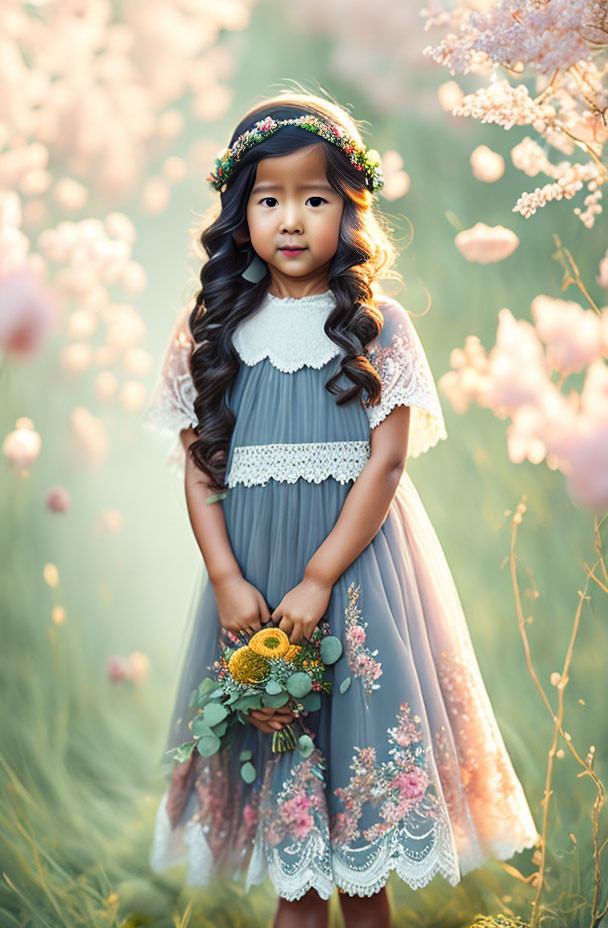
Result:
<point x="362" y="158"/>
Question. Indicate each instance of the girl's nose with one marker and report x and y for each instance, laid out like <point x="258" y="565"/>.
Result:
<point x="291" y="220"/>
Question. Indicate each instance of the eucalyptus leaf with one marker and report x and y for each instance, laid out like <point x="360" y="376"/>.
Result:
<point x="275" y="701"/>
<point x="345" y="685"/>
<point x="220" y="728"/>
<point x="273" y="687"/>
<point x="245" y="755"/>
<point x="312" y="702"/>
<point x="214" y="713"/>
<point x="248" y="772"/>
<point x="207" y="686"/>
<point x="208" y="745"/>
<point x="299" y="684"/>
<point x="200" y="726"/>
<point x="331" y="649"/>
<point x="305" y="745"/>
<point x="244" y="703"/>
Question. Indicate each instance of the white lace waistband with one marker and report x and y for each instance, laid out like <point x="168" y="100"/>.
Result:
<point x="254" y="465"/>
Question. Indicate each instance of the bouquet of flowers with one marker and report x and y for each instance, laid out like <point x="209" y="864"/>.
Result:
<point x="266" y="670"/>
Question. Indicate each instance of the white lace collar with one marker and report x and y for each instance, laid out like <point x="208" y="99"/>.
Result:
<point x="288" y="331"/>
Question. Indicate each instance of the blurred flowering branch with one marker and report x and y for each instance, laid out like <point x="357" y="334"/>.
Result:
<point x="561" y="44"/>
<point x="568" y="431"/>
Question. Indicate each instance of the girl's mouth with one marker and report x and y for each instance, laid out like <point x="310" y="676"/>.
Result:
<point x="291" y="251"/>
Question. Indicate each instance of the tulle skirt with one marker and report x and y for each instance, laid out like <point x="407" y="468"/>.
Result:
<point x="410" y="771"/>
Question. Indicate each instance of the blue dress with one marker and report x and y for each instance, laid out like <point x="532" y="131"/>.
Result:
<point x="410" y="772"/>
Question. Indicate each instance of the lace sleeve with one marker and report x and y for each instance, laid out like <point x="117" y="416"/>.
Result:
<point x="170" y="407"/>
<point x="399" y="358"/>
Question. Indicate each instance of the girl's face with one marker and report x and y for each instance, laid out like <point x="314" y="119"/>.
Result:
<point x="292" y="203"/>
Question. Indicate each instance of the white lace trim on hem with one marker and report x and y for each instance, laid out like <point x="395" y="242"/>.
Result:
<point x="254" y="465"/>
<point x="192" y="848"/>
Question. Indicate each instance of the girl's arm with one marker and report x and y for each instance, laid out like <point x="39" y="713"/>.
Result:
<point x="366" y="505"/>
<point x="170" y="410"/>
<point x="241" y="606"/>
<point x="407" y="418"/>
<point x="207" y="520"/>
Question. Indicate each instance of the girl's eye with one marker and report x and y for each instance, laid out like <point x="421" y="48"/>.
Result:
<point x="322" y="199"/>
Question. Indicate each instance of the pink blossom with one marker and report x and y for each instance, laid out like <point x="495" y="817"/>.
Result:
<point x="488" y="166"/>
<point x="302" y="825"/>
<point x="29" y="311"/>
<point x="516" y="367"/>
<point x="356" y="635"/>
<point x="584" y="451"/>
<point x="250" y="815"/>
<point x="602" y="278"/>
<point x="486" y="244"/>
<point x="411" y="783"/>
<point x="58" y="499"/>
<point x="117" y="668"/>
<point x="21" y="447"/>
<point x="571" y="333"/>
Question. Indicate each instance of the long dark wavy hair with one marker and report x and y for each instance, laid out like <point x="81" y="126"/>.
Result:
<point x="225" y="298"/>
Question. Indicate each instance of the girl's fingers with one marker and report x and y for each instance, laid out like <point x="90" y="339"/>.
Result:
<point x="286" y="625"/>
<point x="264" y="610"/>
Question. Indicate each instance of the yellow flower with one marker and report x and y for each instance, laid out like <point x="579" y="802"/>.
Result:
<point x="248" y="667"/>
<point x="292" y="652"/>
<point x="270" y="642"/>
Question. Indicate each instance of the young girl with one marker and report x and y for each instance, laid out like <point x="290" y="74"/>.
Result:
<point x="297" y="390"/>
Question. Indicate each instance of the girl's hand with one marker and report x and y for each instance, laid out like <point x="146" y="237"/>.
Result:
<point x="301" y="608"/>
<point x="269" y="720"/>
<point x="240" y="605"/>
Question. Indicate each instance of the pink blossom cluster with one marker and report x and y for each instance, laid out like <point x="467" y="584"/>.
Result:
<point x="557" y="41"/>
<point x="568" y="431"/>
<point x="360" y="659"/>
<point x="295" y="813"/>
<point x="291" y="811"/>
<point x="96" y="87"/>
<point x="399" y="784"/>
<point x="550" y="36"/>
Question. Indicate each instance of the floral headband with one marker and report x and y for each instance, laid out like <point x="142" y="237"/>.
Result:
<point x="362" y="158"/>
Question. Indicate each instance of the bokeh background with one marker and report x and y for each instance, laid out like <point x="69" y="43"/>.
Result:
<point x="112" y="115"/>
